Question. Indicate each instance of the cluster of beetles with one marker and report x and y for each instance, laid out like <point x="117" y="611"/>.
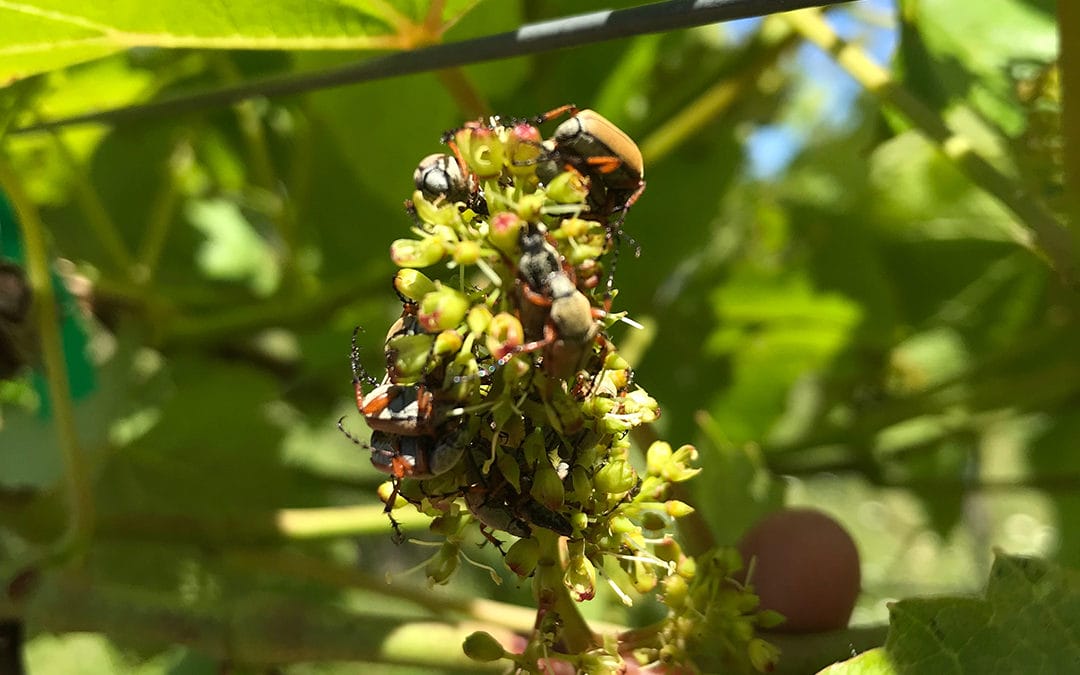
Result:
<point x="503" y="403"/>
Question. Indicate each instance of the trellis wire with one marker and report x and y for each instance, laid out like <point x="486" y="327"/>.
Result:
<point x="534" y="38"/>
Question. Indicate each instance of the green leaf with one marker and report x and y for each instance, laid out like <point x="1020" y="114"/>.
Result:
<point x="973" y="45"/>
<point x="41" y="35"/>
<point x="1028" y="622"/>
<point x="870" y="662"/>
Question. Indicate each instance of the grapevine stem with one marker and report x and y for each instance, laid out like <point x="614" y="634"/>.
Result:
<point x="77" y="476"/>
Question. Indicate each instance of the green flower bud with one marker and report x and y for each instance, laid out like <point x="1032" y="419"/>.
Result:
<point x="580" y="578"/>
<point x="478" y="318"/>
<point x="579" y="520"/>
<point x="413" y="284"/>
<point x="622" y="525"/>
<point x="442" y="309"/>
<point x="581" y="484"/>
<point x="598" y="406"/>
<point x="615" y="477"/>
<point x="657" y="457"/>
<point x="445" y="215"/>
<point x="770" y="618"/>
<point x="580" y="254"/>
<point x="533" y="448"/>
<point x="686" y="567"/>
<point x="504" y="228"/>
<point x="644" y="576"/>
<point x="408" y="356"/>
<point x="763" y="656"/>
<point x="530" y="207"/>
<point x="466" y="252"/>
<point x="523" y="556"/>
<point x="523" y="146"/>
<point x="668" y="550"/>
<point x="385" y="490"/>
<point x="569" y="187"/>
<point x="483" y="647"/>
<point x="547" y="487"/>
<point x="677" y="509"/>
<point x="461" y="381"/>
<point x="504" y="334"/>
<point x="483" y="151"/>
<point x="677" y="470"/>
<point x="446" y="343"/>
<point x="620" y="577"/>
<point x="417" y="253"/>
<point x="617" y="364"/>
<point x="443" y="564"/>
<point x="676" y="591"/>
<point x="509" y="468"/>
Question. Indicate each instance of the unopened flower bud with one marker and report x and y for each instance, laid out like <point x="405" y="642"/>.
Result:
<point x="644" y="576"/>
<point x="547" y="487"/>
<point x="657" y="457"/>
<point x="466" y="252"/>
<point x="615" y="477"/>
<point x="523" y="556"/>
<point x="677" y="509"/>
<point x="413" y="284"/>
<point x="504" y="228"/>
<point x="530" y="207"/>
<point x="504" y="334"/>
<point x="569" y="187"/>
<point x="478" y="318"/>
<point x="446" y="343"/>
<point x="483" y="647"/>
<point x="417" y="253"/>
<point x="580" y="578"/>
<point x="407" y="356"/>
<point x="676" y="591"/>
<point x="763" y="656"/>
<point x="442" y="309"/>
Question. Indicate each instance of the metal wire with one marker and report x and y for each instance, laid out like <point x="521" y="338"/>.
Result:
<point x="534" y="38"/>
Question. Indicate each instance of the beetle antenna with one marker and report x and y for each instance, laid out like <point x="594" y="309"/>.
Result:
<point x="354" y="439"/>
<point x="359" y="373"/>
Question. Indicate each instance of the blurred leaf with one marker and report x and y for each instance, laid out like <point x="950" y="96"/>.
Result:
<point x="776" y="330"/>
<point x="1027" y="622"/>
<point x="972" y="49"/>
<point x="736" y="488"/>
<point x="233" y="251"/>
<point x="870" y="662"/>
<point x="40" y="35"/>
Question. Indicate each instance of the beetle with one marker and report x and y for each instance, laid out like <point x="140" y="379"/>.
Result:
<point x="566" y="327"/>
<point x="590" y="144"/>
<point x="497" y="505"/>
<point x="442" y="178"/>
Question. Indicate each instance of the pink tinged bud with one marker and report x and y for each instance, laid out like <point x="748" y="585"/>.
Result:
<point x="417" y="253"/>
<point x="442" y="309"/>
<point x="504" y="334"/>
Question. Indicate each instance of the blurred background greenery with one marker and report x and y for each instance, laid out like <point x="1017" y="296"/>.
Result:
<point x="841" y="311"/>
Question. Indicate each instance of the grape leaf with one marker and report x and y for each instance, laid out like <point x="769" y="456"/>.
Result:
<point x="41" y="35"/>
<point x="1027" y="623"/>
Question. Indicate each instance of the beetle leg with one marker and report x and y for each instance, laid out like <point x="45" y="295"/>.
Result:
<point x="568" y="109"/>
<point x="604" y="164"/>
<point x="535" y="298"/>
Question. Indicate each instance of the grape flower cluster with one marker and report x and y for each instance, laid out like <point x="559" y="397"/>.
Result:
<point x="505" y="407"/>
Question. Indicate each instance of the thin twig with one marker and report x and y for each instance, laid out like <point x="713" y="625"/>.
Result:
<point x="535" y="38"/>
<point x="76" y="474"/>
